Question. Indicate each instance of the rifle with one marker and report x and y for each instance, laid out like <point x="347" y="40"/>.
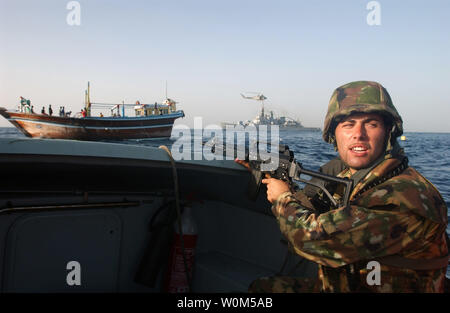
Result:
<point x="289" y="170"/>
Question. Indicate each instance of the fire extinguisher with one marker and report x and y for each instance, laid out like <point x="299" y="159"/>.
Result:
<point x="176" y="279"/>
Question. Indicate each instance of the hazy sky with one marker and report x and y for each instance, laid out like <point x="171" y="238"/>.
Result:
<point x="294" y="52"/>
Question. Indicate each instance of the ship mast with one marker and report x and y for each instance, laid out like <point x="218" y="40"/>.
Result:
<point x="87" y="100"/>
<point x="262" y="110"/>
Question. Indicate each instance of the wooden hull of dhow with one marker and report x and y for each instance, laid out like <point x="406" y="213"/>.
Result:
<point x="92" y="128"/>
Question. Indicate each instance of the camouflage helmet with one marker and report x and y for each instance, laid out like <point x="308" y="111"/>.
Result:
<point x="360" y="97"/>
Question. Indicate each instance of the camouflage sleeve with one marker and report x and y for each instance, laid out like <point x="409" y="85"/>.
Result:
<point x="345" y="235"/>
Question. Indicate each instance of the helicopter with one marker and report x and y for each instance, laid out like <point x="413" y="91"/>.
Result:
<point x="259" y="97"/>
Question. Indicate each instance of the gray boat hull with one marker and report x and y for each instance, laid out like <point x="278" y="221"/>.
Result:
<point x="91" y="203"/>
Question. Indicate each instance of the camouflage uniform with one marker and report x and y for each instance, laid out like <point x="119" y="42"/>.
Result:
<point x="393" y="211"/>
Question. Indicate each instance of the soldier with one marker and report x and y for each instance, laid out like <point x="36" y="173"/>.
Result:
<point x="396" y="217"/>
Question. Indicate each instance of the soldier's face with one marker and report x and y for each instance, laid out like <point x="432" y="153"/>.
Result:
<point x="360" y="139"/>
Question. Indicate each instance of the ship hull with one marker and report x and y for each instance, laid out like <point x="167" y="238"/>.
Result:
<point x="280" y="127"/>
<point x="92" y="128"/>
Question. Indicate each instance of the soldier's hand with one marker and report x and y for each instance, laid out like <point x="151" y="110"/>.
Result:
<point x="275" y="187"/>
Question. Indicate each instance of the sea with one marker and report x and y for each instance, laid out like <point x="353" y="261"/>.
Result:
<point x="429" y="153"/>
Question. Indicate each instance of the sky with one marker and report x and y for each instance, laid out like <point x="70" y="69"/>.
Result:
<point x="208" y="52"/>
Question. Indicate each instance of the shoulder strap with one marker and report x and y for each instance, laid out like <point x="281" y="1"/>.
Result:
<point x="394" y="172"/>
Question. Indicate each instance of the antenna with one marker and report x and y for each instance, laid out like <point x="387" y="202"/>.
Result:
<point x="88" y="99"/>
<point x="166" y="89"/>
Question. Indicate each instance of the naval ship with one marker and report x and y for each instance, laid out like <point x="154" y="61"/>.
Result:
<point x="283" y="122"/>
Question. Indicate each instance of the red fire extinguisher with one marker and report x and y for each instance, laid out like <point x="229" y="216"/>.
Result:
<point x="176" y="280"/>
